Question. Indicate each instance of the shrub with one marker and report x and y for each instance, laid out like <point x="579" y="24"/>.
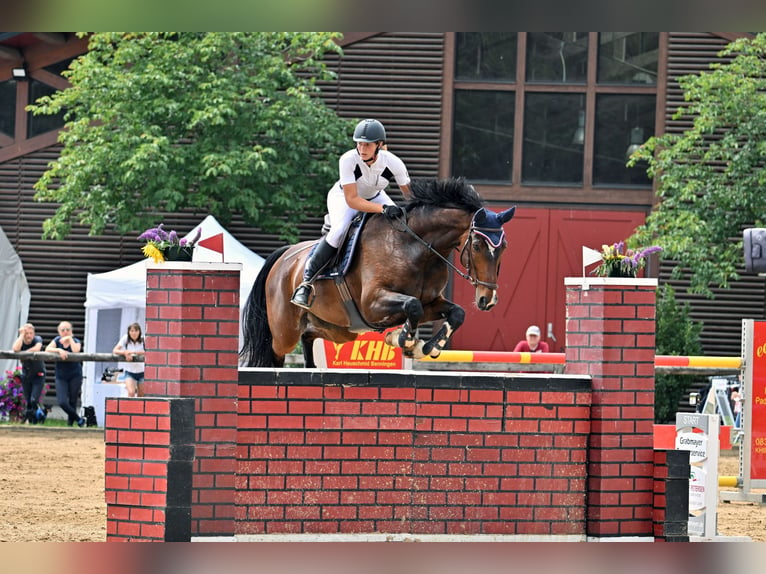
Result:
<point x="12" y="405"/>
<point x="677" y="334"/>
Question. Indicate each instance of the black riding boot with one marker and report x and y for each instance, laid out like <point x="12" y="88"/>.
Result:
<point x="322" y="255"/>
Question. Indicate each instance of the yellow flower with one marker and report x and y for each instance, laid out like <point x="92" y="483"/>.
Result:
<point x="150" y="250"/>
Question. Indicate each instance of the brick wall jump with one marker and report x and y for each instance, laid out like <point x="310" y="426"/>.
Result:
<point x="364" y="452"/>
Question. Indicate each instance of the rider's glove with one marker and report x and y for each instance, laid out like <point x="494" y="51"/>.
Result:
<point x="392" y="212"/>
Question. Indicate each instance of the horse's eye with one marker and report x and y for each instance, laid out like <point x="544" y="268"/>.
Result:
<point x="476" y="245"/>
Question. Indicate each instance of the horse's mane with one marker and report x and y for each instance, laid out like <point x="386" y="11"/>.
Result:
<point x="453" y="192"/>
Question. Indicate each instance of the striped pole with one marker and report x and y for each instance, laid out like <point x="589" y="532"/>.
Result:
<point x="670" y="361"/>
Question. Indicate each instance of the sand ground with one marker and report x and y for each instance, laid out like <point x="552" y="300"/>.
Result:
<point x="52" y="488"/>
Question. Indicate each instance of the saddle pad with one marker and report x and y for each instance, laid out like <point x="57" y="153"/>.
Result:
<point x="347" y="249"/>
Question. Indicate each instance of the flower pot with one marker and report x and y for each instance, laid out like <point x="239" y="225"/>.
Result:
<point x="619" y="272"/>
<point x="178" y="253"/>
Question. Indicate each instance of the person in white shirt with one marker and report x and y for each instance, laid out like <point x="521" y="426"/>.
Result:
<point x="131" y="346"/>
<point x="365" y="172"/>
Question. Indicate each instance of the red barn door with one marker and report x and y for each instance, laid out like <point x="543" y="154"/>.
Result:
<point x="544" y="246"/>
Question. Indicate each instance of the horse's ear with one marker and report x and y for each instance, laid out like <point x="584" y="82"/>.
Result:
<point x="507" y="215"/>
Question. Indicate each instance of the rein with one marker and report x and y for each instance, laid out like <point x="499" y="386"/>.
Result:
<point x="467" y="276"/>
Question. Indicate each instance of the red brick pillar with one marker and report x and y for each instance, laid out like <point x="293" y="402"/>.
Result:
<point x="610" y="336"/>
<point x="192" y="343"/>
<point x="148" y="469"/>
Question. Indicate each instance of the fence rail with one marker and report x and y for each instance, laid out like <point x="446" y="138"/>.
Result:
<point x="55" y="357"/>
<point x="480" y="360"/>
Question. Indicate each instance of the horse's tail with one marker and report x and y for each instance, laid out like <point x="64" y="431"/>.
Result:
<point x="257" y="338"/>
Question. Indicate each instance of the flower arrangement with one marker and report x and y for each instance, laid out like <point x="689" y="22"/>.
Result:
<point x="619" y="261"/>
<point x="12" y="396"/>
<point x="160" y="243"/>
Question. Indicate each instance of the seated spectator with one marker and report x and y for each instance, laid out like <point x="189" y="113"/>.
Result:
<point x="532" y="343"/>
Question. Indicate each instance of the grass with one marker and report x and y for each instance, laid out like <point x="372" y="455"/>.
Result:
<point x="48" y="423"/>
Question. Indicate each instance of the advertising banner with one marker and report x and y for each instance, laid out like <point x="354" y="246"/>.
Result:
<point x="368" y="351"/>
<point x="756" y="415"/>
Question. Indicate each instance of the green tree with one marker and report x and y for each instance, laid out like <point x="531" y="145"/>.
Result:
<point x="677" y="334"/>
<point x="215" y="122"/>
<point x="710" y="178"/>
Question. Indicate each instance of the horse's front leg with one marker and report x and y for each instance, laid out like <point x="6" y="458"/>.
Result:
<point x="394" y="305"/>
<point x="454" y="315"/>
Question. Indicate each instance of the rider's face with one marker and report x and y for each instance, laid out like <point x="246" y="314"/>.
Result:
<point x="366" y="149"/>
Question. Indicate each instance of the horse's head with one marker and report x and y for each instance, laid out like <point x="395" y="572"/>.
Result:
<point x="481" y="253"/>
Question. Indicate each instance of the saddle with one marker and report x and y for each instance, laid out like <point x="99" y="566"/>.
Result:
<point x="338" y="268"/>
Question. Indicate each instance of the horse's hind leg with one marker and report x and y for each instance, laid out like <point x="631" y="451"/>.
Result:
<point x="307" y="342"/>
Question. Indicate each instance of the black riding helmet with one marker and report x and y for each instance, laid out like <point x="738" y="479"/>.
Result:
<point x="369" y="131"/>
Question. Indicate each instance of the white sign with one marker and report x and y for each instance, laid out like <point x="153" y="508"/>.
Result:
<point x="695" y="443"/>
<point x="703" y="461"/>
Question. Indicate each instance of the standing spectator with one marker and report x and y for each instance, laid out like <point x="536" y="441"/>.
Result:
<point x="736" y="399"/>
<point x="32" y="372"/>
<point x="532" y="343"/>
<point x="129" y="346"/>
<point x="68" y="373"/>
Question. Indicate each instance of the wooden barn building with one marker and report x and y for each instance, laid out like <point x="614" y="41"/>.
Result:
<point x="538" y="120"/>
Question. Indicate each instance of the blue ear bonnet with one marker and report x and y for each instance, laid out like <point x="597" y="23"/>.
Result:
<point x="489" y="225"/>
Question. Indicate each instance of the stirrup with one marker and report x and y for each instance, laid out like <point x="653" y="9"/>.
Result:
<point x="309" y="298"/>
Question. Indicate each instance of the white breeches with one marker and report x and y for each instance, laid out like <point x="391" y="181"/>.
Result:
<point x="341" y="214"/>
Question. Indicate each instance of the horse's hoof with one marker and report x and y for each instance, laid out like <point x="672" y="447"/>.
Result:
<point x="435" y="352"/>
<point x="417" y="350"/>
<point x="392" y="337"/>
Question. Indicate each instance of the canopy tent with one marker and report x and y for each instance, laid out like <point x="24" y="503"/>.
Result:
<point x="117" y="298"/>
<point x="15" y="295"/>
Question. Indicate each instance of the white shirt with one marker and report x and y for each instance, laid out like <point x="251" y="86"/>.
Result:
<point x="131" y="366"/>
<point x="371" y="179"/>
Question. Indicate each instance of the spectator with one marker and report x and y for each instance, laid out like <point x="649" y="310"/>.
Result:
<point x="736" y="399"/>
<point x="532" y="343"/>
<point x="68" y="373"/>
<point x="32" y="372"/>
<point x="131" y="346"/>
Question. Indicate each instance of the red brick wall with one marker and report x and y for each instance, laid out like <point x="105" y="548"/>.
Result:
<point x="610" y="336"/>
<point x="148" y="469"/>
<point x="192" y="339"/>
<point x="299" y="451"/>
<point x="415" y="453"/>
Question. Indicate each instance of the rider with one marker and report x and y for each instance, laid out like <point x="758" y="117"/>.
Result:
<point x="365" y="172"/>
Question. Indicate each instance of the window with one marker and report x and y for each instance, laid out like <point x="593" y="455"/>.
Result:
<point x="557" y="57"/>
<point x="577" y="123"/>
<point x="483" y="135"/>
<point x="41" y="124"/>
<point x="628" y="57"/>
<point x="489" y="56"/>
<point x="8" y="108"/>
<point x="553" y="138"/>
<point x="622" y="122"/>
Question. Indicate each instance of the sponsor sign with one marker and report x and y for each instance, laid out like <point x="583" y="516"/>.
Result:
<point x="698" y="434"/>
<point x="368" y="351"/>
<point x="757" y="414"/>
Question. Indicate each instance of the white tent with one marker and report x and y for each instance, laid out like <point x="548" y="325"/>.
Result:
<point x="117" y="298"/>
<point x="14" y="293"/>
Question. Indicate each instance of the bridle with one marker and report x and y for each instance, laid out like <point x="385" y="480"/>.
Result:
<point x="465" y="252"/>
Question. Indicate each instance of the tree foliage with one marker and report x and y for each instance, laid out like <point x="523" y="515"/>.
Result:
<point x="710" y="178"/>
<point x="220" y="123"/>
<point x="677" y="334"/>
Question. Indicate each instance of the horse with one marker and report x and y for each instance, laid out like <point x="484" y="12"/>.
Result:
<point x="396" y="278"/>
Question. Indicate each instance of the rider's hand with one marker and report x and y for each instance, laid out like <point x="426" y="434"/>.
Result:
<point x="392" y="212"/>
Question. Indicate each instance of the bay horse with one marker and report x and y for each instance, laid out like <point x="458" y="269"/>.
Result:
<point x="397" y="278"/>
